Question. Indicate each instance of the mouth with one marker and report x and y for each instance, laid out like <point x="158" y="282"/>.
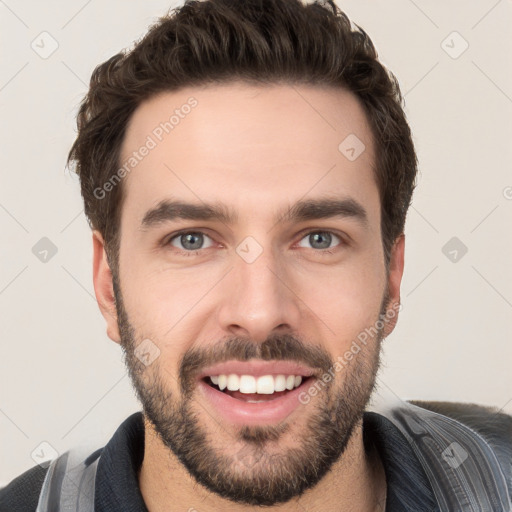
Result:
<point x="254" y="400"/>
<point x="256" y="390"/>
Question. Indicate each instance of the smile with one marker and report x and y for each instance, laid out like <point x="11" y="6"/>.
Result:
<point x="247" y="400"/>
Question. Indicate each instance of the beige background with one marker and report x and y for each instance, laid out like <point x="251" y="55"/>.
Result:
<point x="63" y="382"/>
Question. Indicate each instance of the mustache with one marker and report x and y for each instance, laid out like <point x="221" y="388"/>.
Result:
<point x="278" y="347"/>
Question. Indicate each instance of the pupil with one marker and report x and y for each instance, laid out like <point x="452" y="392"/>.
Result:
<point x="314" y="237"/>
<point x="187" y="240"/>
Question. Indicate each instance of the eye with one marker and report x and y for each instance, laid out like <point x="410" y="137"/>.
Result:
<point x="190" y="241"/>
<point x="320" y="240"/>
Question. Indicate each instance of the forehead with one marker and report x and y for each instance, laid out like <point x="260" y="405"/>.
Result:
<point x="251" y="146"/>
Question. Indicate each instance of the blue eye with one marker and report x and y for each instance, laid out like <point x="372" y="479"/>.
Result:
<point x="320" y="240"/>
<point x="190" y="241"/>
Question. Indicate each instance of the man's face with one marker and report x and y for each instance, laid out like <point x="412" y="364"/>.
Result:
<point x="273" y="284"/>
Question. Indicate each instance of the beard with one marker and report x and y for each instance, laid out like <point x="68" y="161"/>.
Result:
<point x="260" y="473"/>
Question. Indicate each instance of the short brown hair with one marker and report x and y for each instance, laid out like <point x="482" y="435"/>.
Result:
<point x="257" y="41"/>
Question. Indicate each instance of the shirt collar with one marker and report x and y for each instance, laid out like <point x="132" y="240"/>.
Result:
<point x="117" y="483"/>
<point x="117" y="486"/>
<point x="408" y="487"/>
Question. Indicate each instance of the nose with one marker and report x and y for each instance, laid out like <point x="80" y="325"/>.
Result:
<point x="258" y="299"/>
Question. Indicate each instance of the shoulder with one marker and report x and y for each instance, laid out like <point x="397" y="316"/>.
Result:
<point x="22" y="493"/>
<point x="489" y="422"/>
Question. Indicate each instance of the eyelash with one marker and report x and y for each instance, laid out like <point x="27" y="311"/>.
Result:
<point x="197" y="252"/>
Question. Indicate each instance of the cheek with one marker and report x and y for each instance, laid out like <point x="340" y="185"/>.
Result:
<point x="345" y="306"/>
<point x="346" y="301"/>
<point x="162" y="303"/>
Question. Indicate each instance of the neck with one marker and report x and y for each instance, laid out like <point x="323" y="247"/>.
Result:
<point x="356" y="482"/>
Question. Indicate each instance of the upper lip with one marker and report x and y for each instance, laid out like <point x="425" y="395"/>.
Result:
<point x="258" y="368"/>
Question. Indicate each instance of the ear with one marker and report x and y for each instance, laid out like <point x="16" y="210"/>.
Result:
<point x="396" y="270"/>
<point x="103" y="287"/>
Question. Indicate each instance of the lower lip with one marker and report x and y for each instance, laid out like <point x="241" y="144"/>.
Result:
<point x="247" y="413"/>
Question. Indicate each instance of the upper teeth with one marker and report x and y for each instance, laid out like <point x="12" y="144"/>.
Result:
<point x="266" y="384"/>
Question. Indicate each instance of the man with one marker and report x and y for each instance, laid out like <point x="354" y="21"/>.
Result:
<point x="246" y="169"/>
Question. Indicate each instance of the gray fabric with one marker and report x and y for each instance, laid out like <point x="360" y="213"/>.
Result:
<point x="408" y="486"/>
<point x="468" y="471"/>
<point x="490" y="422"/>
<point x="463" y="469"/>
<point x="70" y="483"/>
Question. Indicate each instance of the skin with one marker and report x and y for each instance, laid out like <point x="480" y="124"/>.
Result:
<point x="258" y="150"/>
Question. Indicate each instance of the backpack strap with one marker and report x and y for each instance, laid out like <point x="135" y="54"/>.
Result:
<point x="69" y="482"/>
<point x="461" y="466"/>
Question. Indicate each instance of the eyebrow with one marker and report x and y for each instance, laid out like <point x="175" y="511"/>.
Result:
<point x="304" y="210"/>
